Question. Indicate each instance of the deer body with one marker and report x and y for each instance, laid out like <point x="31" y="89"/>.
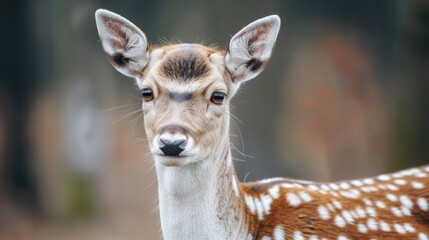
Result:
<point x="186" y="91"/>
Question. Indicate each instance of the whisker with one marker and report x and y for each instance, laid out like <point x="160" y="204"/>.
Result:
<point x="128" y="115"/>
<point x="245" y="177"/>
<point x="241" y="153"/>
<point x="141" y="139"/>
<point x="155" y="210"/>
<point x="134" y="122"/>
<point x="232" y="115"/>
<point x="150" y="184"/>
<point x="114" y="108"/>
<point x="139" y="98"/>
<point x="239" y="133"/>
<point x="239" y="159"/>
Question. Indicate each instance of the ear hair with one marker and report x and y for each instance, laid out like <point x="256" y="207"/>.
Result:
<point x="250" y="49"/>
<point x="125" y="45"/>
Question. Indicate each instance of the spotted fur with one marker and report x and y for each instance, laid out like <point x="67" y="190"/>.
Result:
<point x="389" y="206"/>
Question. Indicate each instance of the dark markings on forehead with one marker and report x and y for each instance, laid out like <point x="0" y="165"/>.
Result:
<point x="180" y="97"/>
<point x="186" y="64"/>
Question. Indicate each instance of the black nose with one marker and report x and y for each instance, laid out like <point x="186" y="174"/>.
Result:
<point x="172" y="148"/>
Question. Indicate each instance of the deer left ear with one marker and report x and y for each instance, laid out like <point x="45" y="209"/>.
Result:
<point x="250" y="49"/>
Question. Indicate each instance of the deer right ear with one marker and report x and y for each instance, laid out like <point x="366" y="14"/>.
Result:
<point x="125" y="45"/>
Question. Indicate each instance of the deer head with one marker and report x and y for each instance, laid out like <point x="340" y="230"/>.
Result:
<point x="186" y="88"/>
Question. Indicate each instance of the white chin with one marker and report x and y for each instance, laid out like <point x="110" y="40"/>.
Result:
<point x="169" y="161"/>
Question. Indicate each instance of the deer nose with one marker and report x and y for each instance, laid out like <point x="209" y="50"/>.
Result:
<point x="172" y="141"/>
<point x="172" y="148"/>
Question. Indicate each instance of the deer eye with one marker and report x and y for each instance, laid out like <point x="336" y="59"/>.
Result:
<point x="147" y="94"/>
<point x="217" y="98"/>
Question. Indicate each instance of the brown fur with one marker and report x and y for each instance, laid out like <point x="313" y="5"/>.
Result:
<point x="305" y="217"/>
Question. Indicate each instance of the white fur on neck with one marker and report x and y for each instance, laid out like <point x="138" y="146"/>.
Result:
<point x="188" y="203"/>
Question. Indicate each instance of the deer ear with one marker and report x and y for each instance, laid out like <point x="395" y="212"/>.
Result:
<point x="125" y="45"/>
<point x="250" y="49"/>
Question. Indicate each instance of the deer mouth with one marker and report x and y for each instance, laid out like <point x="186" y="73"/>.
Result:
<point x="173" y="161"/>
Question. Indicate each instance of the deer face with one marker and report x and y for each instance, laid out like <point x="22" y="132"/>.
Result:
<point x="186" y="88"/>
<point x="185" y="103"/>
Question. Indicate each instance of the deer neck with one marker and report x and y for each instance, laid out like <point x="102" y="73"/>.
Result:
<point x="201" y="200"/>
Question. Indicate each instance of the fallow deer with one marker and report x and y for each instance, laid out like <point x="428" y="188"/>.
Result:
<point x="186" y="92"/>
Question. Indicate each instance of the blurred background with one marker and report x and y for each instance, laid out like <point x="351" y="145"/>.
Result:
<point x="346" y="95"/>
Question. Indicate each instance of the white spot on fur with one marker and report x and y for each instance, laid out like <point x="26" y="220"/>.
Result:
<point x="423" y="236"/>
<point x="274" y="192"/>
<point x="313" y="187"/>
<point x="423" y="204"/>
<point x="368" y="181"/>
<point x="384" y="178"/>
<point x="265" y="238"/>
<point x="323" y="192"/>
<point x="391" y="197"/>
<point x="400" y="182"/>
<point x="417" y="185"/>
<point x="380" y="204"/>
<point x="337" y="204"/>
<point x="371" y="212"/>
<point x="354" y="214"/>
<point x="392" y="187"/>
<point x="406" y="201"/>
<point x="293" y="199"/>
<point x="335" y="194"/>
<point x="348" y="217"/>
<point x="362" y="228"/>
<point x="259" y="209"/>
<point x="250" y="203"/>
<point x="421" y="175"/>
<point x="367" y="201"/>
<point x="372" y="224"/>
<point x="334" y="186"/>
<point x="344" y="185"/>
<point x="323" y="212"/>
<point x="279" y="233"/>
<point x="325" y="187"/>
<point x="397" y="175"/>
<point x="369" y="189"/>
<point x="396" y="211"/>
<point x="266" y="203"/>
<point x="305" y="197"/>
<point x="314" y="237"/>
<point x="406" y="211"/>
<point x="360" y="212"/>
<point x="356" y="183"/>
<point x="409" y="228"/>
<point x="354" y="193"/>
<point x="339" y="221"/>
<point x="399" y="228"/>
<point x="385" y="227"/>
<point x="297" y="235"/>
<point x="342" y="238"/>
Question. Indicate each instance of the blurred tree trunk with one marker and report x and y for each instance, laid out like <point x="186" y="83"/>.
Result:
<point x="16" y="85"/>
